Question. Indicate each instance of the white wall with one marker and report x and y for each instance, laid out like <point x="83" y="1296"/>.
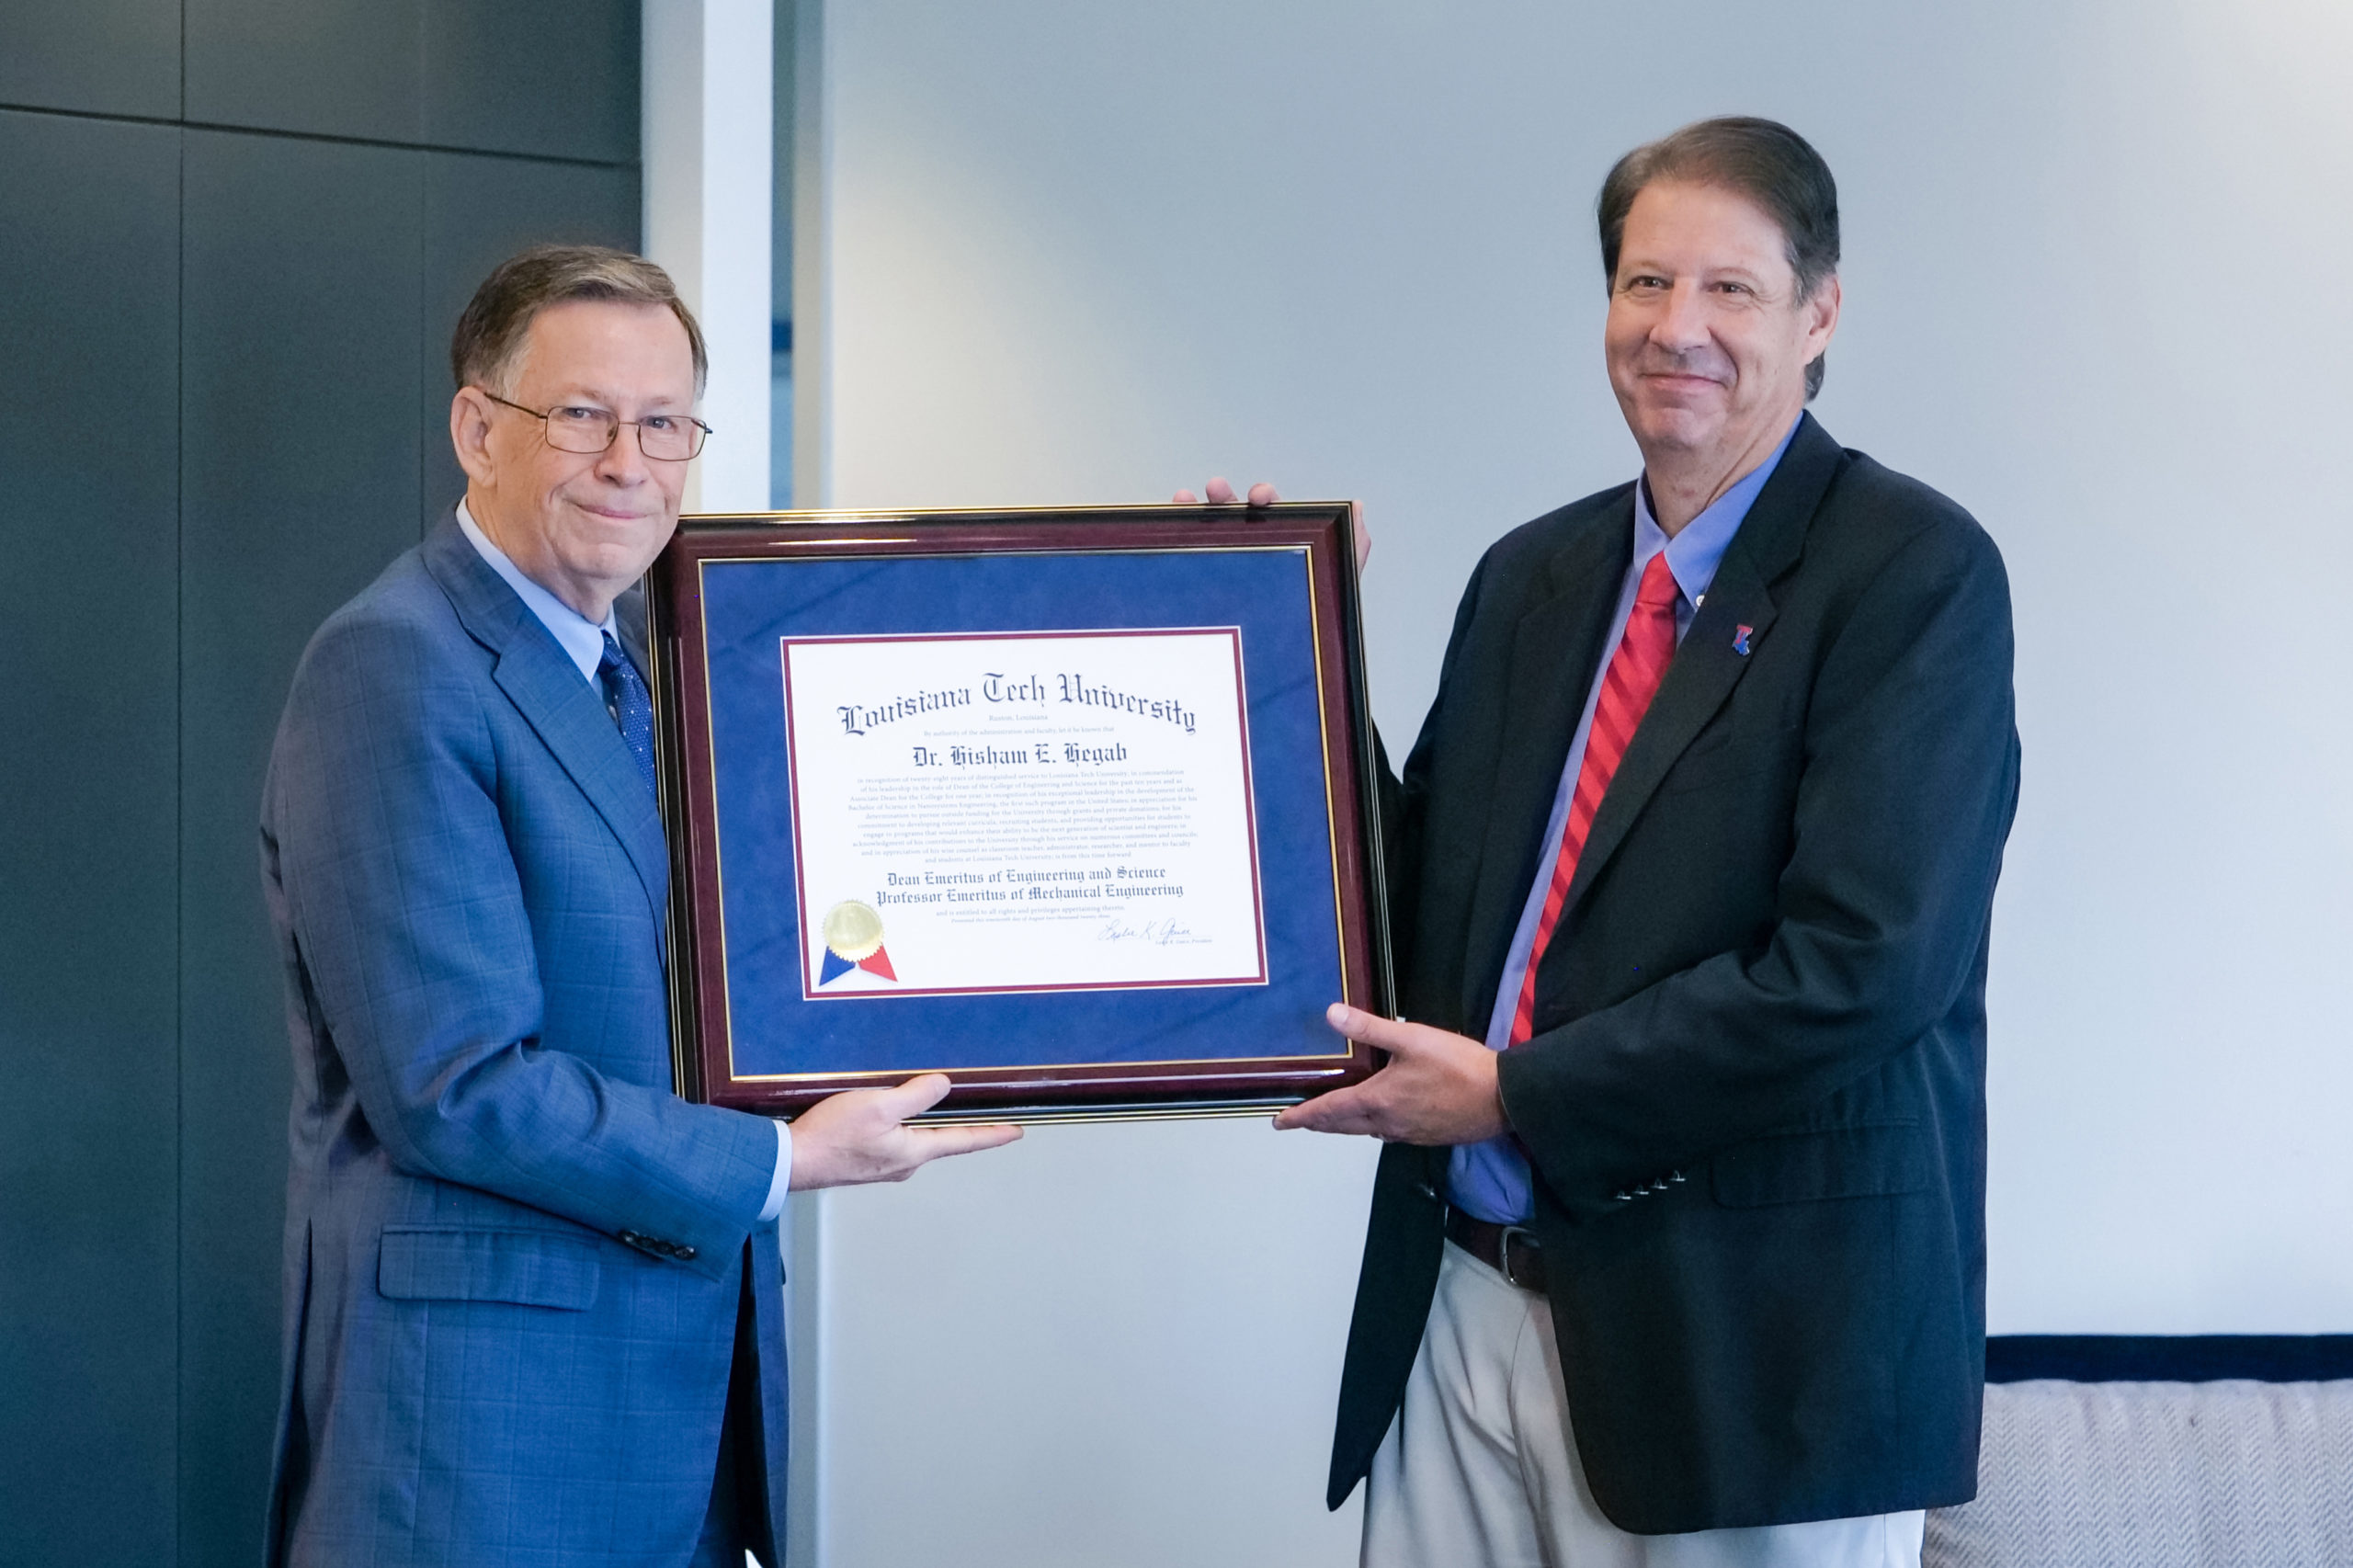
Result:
<point x="708" y="112"/>
<point x="1072" y="252"/>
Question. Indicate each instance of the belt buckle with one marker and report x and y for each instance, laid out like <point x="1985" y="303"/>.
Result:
<point x="1503" y="1253"/>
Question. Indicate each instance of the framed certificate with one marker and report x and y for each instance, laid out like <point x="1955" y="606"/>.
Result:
<point x="1075" y="806"/>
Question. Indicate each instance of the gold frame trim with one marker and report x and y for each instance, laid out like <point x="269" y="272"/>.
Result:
<point x="992" y="1081"/>
<point x="1323" y="764"/>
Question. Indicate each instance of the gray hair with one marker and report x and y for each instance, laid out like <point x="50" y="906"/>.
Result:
<point x="486" y="350"/>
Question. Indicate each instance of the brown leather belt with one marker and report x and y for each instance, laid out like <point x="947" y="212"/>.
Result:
<point x="1511" y="1251"/>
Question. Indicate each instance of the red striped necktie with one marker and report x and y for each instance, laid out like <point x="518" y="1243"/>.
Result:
<point x="1627" y="689"/>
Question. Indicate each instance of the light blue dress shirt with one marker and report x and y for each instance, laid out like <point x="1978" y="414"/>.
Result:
<point x="1491" y="1181"/>
<point x="582" y="641"/>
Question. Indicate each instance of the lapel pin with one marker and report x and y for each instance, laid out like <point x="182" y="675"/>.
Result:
<point x="1740" y="640"/>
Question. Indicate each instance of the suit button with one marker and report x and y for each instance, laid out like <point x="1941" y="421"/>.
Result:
<point x="656" y="1245"/>
<point x="1426" y="1190"/>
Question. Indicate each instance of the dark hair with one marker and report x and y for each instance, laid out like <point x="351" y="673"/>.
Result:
<point x="488" y="348"/>
<point x="1761" y="159"/>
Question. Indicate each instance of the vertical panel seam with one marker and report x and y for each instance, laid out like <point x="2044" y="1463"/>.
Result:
<point x="426" y="169"/>
<point x="179" y="808"/>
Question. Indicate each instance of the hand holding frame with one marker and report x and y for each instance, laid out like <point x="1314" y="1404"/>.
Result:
<point x="862" y="1135"/>
<point x="1437" y="1088"/>
<point x="1221" y="493"/>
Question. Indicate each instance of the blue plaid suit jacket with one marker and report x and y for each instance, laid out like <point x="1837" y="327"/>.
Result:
<point x="515" y="1259"/>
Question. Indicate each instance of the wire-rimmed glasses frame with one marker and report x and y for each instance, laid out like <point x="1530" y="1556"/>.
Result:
<point x="587" y="431"/>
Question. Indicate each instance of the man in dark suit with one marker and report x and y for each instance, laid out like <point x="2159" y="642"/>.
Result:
<point x="1677" y="1253"/>
<point x="533" y="1298"/>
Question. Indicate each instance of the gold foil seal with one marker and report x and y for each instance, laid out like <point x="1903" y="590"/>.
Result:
<point x="853" y="929"/>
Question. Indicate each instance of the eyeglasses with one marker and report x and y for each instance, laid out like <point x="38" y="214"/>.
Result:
<point x="663" y="438"/>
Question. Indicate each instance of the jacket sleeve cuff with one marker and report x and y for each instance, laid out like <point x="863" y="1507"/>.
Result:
<point x="1519" y="1085"/>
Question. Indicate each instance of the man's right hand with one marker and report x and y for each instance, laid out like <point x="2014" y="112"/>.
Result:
<point x="862" y="1135"/>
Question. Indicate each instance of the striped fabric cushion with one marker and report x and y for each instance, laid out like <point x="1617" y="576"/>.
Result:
<point x="2157" y="1476"/>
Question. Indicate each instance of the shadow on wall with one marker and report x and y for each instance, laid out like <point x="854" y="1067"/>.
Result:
<point x="781" y="415"/>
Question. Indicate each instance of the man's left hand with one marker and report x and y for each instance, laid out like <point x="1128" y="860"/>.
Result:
<point x="1437" y="1089"/>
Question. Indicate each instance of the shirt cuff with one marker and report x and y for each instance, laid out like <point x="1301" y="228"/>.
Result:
<point x="781" y="1183"/>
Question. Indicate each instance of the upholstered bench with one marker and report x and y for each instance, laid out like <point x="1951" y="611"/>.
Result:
<point x="2158" y="1474"/>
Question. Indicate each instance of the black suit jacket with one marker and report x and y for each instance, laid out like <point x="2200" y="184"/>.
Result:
<point x="1754" y="1098"/>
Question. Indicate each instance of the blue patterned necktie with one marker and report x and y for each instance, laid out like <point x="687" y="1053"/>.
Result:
<point x="630" y="705"/>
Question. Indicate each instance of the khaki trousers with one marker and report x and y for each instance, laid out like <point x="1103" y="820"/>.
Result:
<point x="1479" y="1468"/>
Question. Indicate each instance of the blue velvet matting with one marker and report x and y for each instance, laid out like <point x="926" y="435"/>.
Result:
<point x="749" y="605"/>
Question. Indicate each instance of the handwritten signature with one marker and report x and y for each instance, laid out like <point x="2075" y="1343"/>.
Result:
<point x="1159" y="933"/>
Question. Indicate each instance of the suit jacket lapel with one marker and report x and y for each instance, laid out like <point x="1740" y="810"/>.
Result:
<point x="1555" y="650"/>
<point x="544" y="684"/>
<point x="1708" y="666"/>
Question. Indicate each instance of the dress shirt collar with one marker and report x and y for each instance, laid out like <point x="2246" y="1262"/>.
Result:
<point x="1693" y="554"/>
<point x="582" y="639"/>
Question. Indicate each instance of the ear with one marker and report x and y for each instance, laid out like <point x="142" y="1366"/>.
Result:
<point x="470" y="415"/>
<point x="1821" y="315"/>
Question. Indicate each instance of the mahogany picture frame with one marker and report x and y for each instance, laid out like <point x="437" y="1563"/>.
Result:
<point x="736" y="1039"/>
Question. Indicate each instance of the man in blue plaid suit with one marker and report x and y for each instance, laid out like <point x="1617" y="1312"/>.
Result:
<point x="533" y="1300"/>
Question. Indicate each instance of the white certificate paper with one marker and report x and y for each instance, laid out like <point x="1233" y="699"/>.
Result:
<point x="1022" y="812"/>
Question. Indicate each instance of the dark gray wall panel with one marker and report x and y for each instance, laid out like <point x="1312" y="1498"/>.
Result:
<point x="88" y="1149"/>
<point x="299" y="483"/>
<point x="97" y="56"/>
<point x="479" y="211"/>
<point x="554" y="78"/>
<point x="330" y="69"/>
<point x="547" y="78"/>
<point x="226" y="355"/>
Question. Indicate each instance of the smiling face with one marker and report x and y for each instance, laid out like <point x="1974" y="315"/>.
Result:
<point x="1707" y="339"/>
<point x="582" y="525"/>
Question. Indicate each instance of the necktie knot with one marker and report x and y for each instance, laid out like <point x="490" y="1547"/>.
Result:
<point x="1658" y="590"/>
